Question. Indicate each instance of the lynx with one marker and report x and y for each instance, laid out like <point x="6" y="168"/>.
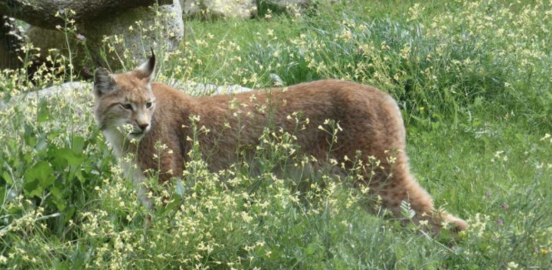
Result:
<point x="370" y="121"/>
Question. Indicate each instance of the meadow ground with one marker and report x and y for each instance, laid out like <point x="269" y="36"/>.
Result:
<point x="474" y="83"/>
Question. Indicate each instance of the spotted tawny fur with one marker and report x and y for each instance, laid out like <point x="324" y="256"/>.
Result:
<point x="370" y="119"/>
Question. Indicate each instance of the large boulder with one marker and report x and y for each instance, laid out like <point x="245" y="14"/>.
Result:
<point x="126" y="38"/>
<point x="241" y="8"/>
<point x="291" y="6"/>
<point x="10" y="41"/>
<point x="200" y="89"/>
<point x="134" y="32"/>
<point x="7" y="58"/>
<point x="220" y="8"/>
<point x="72" y="92"/>
<point x="78" y="93"/>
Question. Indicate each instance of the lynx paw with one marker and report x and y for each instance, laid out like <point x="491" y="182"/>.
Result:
<point x="455" y="223"/>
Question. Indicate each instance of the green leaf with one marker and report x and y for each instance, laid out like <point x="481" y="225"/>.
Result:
<point x="28" y="157"/>
<point x="63" y="155"/>
<point x="79" y="176"/>
<point x="11" y="143"/>
<point x="71" y="157"/>
<point x="31" y="141"/>
<point x="47" y="181"/>
<point x="42" y="144"/>
<point x="43" y="112"/>
<point x="38" y="170"/>
<point x="29" y="186"/>
<point x="7" y="178"/>
<point x="2" y="194"/>
<point x="69" y="213"/>
<point x="171" y="206"/>
<point x="311" y="248"/>
<point x="37" y="192"/>
<point x="180" y="189"/>
<point x="406" y="210"/>
<point x="78" y="144"/>
<point x="60" y="204"/>
<point x="53" y="135"/>
<point x="55" y="191"/>
<point x="42" y="171"/>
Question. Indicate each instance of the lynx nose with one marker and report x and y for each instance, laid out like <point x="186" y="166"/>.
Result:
<point x="143" y="126"/>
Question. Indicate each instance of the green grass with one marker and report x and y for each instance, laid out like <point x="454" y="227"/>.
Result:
<point x="473" y="83"/>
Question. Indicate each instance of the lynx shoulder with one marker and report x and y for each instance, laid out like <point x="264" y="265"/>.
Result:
<point x="130" y="107"/>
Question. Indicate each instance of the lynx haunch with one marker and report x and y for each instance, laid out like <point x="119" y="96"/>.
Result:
<point x="370" y="121"/>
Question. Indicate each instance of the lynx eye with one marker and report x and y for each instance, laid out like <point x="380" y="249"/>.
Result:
<point x="148" y="105"/>
<point x="127" y="106"/>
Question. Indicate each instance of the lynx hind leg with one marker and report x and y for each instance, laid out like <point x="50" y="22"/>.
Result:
<point x="403" y="187"/>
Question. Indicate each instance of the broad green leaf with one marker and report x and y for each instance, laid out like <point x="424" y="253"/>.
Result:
<point x="311" y="248"/>
<point x="78" y="144"/>
<point x="7" y="178"/>
<point x="47" y="181"/>
<point x="42" y="171"/>
<point x="28" y="157"/>
<point x="43" y="112"/>
<point x="63" y="156"/>
<point x="70" y="156"/>
<point x="31" y="141"/>
<point x="69" y="213"/>
<point x="170" y="207"/>
<point x="42" y="144"/>
<point x="79" y="176"/>
<point x="180" y="189"/>
<point x="2" y="194"/>
<point x="55" y="191"/>
<point x="53" y="135"/>
<point x="60" y="204"/>
<point x="36" y="192"/>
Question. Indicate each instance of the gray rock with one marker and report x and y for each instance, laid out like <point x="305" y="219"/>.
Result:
<point x="276" y="80"/>
<point x="46" y="12"/>
<point x="200" y="89"/>
<point x="77" y="99"/>
<point x="129" y="44"/>
<point x="291" y="6"/>
<point x="10" y="41"/>
<point x="7" y="58"/>
<point x="220" y="8"/>
<point x="72" y="92"/>
<point x="163" y="32"/>
<point x="79" y="93"/>
<point x="285" y="3"/>
<point x="54" y="40"/>
<point x="67" y="90"/>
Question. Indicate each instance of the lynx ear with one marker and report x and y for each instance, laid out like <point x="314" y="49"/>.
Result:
<point x="103" y="82"/>
<point x="147" y="69"/>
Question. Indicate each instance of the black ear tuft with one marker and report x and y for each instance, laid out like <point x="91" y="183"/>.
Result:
<point x="147" y="69"/>
<point x="103" y="82"/>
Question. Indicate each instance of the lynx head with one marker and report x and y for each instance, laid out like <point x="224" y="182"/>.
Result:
<point x="125" y="102"/>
